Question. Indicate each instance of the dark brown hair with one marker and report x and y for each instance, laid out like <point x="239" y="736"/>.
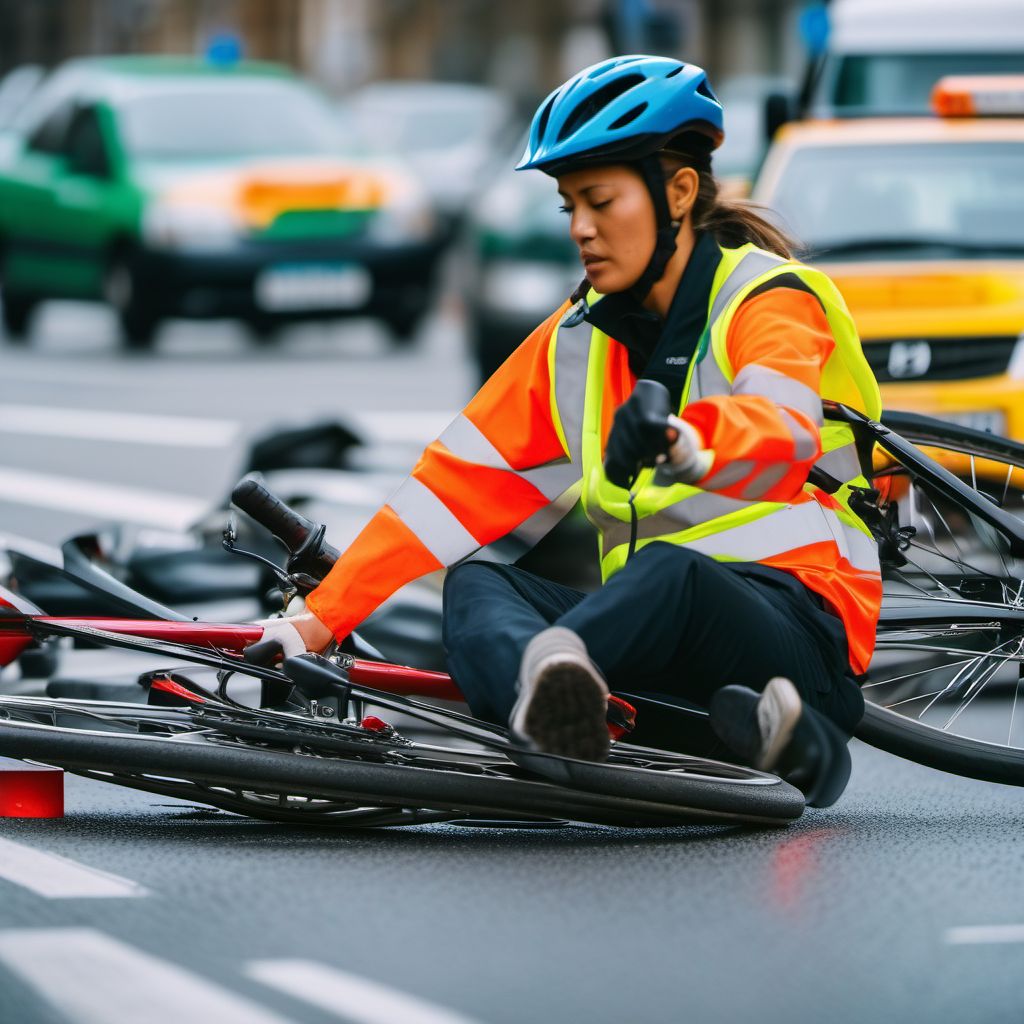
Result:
<point x="732" y="222"/>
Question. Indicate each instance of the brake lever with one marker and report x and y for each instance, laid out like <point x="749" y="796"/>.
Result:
<point x="289" y="584"/>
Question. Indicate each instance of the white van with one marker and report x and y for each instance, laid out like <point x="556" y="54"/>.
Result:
<point x="883" y="56"/>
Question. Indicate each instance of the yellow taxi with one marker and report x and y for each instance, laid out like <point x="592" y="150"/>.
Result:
<point x="920" y="222"/>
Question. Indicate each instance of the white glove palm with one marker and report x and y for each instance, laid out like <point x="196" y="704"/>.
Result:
<point x="687" y="460"/>
<point x="281" y="630"/>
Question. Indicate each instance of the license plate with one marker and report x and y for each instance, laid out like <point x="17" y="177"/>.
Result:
<point x="313" y="286"/>
<point x="991" y="420"/>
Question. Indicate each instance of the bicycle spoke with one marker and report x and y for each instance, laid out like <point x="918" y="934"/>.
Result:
<point x="1013" y="710"/>
<point x="908" y="675"/>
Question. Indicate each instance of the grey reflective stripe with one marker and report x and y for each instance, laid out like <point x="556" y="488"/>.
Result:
<point x="731" y="473"/>
<point x="793" y="526"/>
<point x="790" y="527"/>
<point x="843" y="463"/>
<point x="526" y="535"/>
<point x="762" y="380"/>
<point x="708" y="379"/>
<point x="805" y="444"/>
<point x="433" y="522"/>
<point x="572" y="358"/>
<point x="701" y="507"/>
<point x="749" y="268"/>
<point x="760" y="484"/>
<point x="463" y="438"/>
<point x="861" y="551"/>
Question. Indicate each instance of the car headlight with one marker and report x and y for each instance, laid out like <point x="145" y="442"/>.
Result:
<point x="181" y="226"/>
<point x="402" y="222"/>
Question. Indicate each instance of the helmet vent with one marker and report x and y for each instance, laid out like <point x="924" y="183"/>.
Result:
<point x="705" y="90"/>
<point x="675" y="71"/>
<point x="543" y="125"/>
<point x="630" y="115"/>
<point x="595" y="103"/>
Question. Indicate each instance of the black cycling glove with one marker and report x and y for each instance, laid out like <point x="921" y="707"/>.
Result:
<point x="639" y="433"/>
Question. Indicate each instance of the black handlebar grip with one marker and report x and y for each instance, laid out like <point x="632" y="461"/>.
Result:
<point x="290" y="528"/>
<point x="655" y="404"/>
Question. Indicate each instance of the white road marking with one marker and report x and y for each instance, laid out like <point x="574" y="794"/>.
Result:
<point x="403" y="425"/>
<point x="984" y="934"/>
<point x="94" y="979"/>
<point x="356" y="999"/>
<point x="398" y="425"/>
<point x="126" y="427"/>
<point x="56" y="877"/>
<point x="102" y="500"/>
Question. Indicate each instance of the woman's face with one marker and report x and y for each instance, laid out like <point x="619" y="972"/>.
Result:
<point x="612" y="223"/>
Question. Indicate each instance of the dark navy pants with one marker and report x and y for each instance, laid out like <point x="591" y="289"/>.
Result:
<point x="672" y="624"/>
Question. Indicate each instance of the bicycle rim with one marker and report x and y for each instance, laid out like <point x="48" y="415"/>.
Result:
<point x="314" y="779"/>
<point x="945" y="684"/>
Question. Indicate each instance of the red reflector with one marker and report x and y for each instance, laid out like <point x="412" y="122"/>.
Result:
<point x="375" y="724"/>
<point x="30" y="790"/>
<point x="170" y="686"/>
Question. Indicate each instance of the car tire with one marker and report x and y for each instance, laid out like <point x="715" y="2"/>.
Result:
<point x="405" y="328"/>
<point x="135" y="310"/>
<point x="264" y="330"/>
<point x="17" y="315"/>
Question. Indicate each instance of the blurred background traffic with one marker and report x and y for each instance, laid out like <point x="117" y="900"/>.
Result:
<point x="352" y="158"/>
<point x="217" y="216"/>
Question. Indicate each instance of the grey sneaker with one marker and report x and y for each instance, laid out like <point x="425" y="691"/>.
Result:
<point x="778" y="712"/>
<point x="775" y="732"/>
<point x="563" y="700"/>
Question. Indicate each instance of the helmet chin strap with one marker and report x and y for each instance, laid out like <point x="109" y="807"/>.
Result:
<point x="667" y="228"/>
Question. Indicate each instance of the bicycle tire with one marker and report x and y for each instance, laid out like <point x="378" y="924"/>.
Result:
<point x="633" y="797"/>
<point x="902" y="623"/>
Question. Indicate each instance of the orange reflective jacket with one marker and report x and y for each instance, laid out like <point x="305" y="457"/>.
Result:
<point x="504" y="470"/>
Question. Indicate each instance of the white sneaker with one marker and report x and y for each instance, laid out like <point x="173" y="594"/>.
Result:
<point x="563" y="700"/>
<point x="778" y="711"/>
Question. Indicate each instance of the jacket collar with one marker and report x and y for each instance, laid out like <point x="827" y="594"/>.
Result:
<point x="649" y="339"/>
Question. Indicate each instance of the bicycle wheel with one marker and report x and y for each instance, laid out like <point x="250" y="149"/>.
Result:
<point x="944" y="685"/>
<point x="272" y="765"/>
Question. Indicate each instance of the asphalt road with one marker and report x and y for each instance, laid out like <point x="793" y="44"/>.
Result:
<point x="867" y="912"/>
<point x="902" y="902"/>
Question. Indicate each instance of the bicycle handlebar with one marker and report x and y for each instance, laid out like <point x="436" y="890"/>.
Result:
<point x="290" y="528"/>
<point x="310" y="554"/>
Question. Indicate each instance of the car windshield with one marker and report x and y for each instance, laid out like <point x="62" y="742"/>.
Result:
<point x="901" y="83"/>
<point x="868" y="200"/>
<point x="214" y="120"/>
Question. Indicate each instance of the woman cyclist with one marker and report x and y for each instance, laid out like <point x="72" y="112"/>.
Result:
<point x="736" y="576"/>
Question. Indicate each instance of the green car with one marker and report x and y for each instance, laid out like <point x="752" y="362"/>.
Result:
<point x="174" y="187"/>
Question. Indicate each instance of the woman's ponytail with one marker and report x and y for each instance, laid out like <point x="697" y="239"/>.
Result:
<point x="732" y="222"/>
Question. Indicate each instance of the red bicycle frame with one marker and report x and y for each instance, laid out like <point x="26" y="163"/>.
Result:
<point x="17" y="617"/>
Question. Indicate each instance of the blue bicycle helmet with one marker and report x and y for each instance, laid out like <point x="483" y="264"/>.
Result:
<point x="623" y="108"/>
<point x="627" y="110"/>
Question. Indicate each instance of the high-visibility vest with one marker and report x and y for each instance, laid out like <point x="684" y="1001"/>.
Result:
<point x="725" y="528"/>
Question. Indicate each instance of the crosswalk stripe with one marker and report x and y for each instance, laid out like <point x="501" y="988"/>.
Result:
<point x="56" y="877"/>
<point x="122" y="427"/>
<point x="357" y="999"/>
<point x="984" y="934"/>
<point x="103" y="500"/>
<point x="94" y="979"/>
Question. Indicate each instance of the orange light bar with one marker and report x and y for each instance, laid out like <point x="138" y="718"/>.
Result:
<point x="979" y="96"/>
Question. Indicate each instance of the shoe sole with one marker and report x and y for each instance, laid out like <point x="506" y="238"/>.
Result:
<point x="780" y="705"/>
<point x="566" y="713"/>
